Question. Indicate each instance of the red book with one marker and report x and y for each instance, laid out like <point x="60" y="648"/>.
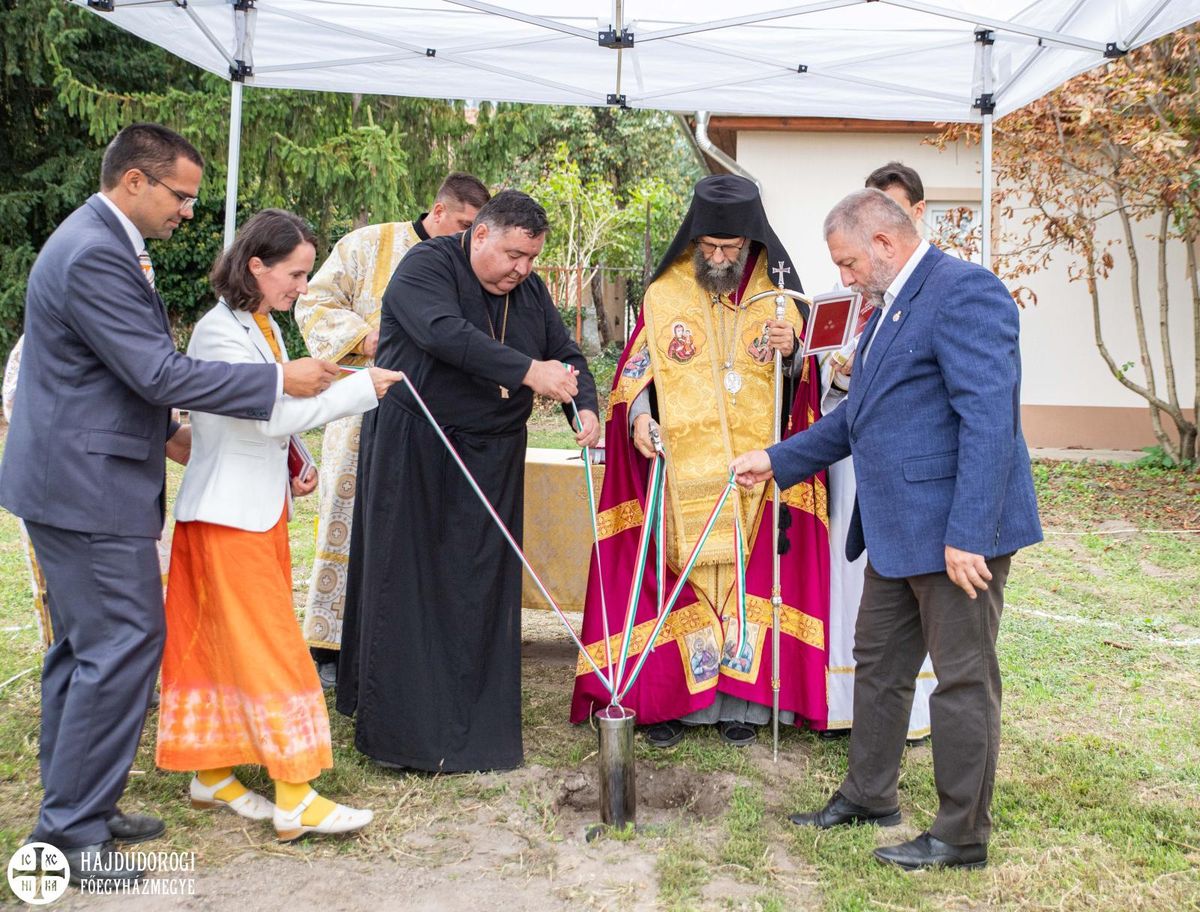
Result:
<point x="831" y="322"/>
<point x="299" y="458"/>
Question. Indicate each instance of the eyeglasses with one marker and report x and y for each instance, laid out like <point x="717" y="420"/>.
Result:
<point x="185" y="201"/>
<point x="729" y="250"/>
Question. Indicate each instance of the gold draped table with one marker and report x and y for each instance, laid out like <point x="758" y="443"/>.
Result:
<point x="558" y="528"/>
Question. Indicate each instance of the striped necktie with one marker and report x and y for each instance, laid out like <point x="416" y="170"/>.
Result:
<point x="869" y="332"/>
<point x="147" y="267"/>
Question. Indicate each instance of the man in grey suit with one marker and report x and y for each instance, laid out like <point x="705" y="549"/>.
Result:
<point x="84" y="467"/>
<point x="945" y="497"/>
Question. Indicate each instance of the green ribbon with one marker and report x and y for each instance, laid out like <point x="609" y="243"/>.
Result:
<point x="666" y="609"/>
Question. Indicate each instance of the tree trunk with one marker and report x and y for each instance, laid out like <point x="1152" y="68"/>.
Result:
<point x="1157" y="405"/>
<point x="1194" y="282"/>
<point x="1164" y="309"/>
<point x="608" y="296"/>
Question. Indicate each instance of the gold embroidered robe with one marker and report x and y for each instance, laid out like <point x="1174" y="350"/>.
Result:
<point x="703" y="424"/>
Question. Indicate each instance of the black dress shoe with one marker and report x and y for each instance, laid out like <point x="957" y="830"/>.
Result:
<point x="833" y="734"/>
<point x="841" y="811"/>
<point x="100" y="864"/>
<point x="737" y="733"/>
<point x="930" y="852"/>
<point x="132" y="828"/>
<point x="917" y="742"/>
<point x="327" y="672"/>
<point x="665" y="734"/>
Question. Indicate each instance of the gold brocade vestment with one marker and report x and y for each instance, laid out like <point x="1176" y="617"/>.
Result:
<point x="704" y="425"/>
<point x="340" y="309"/>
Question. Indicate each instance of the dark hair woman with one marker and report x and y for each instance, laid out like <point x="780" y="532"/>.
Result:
<point x="237" y="684"/>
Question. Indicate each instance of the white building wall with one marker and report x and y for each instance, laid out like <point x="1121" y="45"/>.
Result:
<point x="1062" y="365"/>
<point x="805" y="174"/>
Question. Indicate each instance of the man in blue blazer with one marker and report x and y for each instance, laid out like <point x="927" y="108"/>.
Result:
<point x="84" y="467"/>
<point x="945" y="497"/>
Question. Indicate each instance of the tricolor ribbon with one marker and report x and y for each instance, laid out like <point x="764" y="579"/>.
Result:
<point x="679" y="582"/>
<point x="615" y="682"/>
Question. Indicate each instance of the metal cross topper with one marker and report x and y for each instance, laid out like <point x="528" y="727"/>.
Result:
<point x="780" y="271"/>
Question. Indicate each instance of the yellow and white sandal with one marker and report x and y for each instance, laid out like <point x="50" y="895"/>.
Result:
<point x="249" y="804"/>
<point x="341" y="819"/>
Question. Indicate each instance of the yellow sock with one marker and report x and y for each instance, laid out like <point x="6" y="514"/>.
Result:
<point x="209" y="778"/>
<point x="290" y="794"/>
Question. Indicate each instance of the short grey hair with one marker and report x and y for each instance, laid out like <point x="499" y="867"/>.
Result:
<point x="864" y="212"/>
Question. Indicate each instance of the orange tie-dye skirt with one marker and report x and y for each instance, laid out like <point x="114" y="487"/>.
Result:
<point x="238" y="685"/>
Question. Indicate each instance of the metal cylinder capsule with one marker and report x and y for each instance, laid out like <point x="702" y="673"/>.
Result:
<point x="618" y="775"/>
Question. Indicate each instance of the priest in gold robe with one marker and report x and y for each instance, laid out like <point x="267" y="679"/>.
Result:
<point x="339" y="319"/>
<point x="700" y="368"/>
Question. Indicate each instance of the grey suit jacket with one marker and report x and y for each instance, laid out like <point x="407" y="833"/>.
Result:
<point x="99" y="376"/>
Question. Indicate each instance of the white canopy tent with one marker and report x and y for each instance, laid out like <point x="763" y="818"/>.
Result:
<point x="941" y="60"/>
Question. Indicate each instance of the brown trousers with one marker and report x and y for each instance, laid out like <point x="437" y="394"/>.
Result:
<point x="900" y="620"/>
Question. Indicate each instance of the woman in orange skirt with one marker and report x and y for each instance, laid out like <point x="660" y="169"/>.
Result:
<point x="237" y="683"/>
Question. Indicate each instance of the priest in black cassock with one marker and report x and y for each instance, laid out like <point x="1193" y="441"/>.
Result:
<point x="431" y="648"/>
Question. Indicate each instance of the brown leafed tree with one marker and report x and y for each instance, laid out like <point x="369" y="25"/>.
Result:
<point x="1116" y="145"/>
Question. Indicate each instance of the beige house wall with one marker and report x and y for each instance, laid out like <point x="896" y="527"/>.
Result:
<point x="1069" y="397"/>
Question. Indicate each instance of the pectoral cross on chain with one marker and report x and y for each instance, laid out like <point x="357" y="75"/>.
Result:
<point x="780" y="271"/>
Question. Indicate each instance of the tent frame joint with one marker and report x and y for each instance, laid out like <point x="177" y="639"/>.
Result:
<point x="985" y="103"/>
<point x="802" y="68"/>
<point x="985" y="36"/>
<point x="243" y="6"/>
<point x="617" y="101"/>
<point x="430" y="52"/>
<point x="239" y="70"/>
<point x="101" y="6"/>
<point x="613" y="40"/>
<point x="1114" y="51"/>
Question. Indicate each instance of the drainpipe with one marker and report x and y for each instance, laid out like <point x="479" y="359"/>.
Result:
<point x="690" y="138"/>
<point x="710" y="149"/>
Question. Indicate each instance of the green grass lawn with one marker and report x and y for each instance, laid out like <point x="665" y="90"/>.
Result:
<point x="1097" y="804"/>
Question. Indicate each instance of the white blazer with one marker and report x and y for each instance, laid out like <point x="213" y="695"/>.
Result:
<point x="237" y="474"/>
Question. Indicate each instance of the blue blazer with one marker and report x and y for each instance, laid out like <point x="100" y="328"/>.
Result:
<point x="99" y="376"/>
<point x="933" y="422"/>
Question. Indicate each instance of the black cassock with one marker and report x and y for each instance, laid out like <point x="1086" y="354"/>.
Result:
<point x="431" y="650"/>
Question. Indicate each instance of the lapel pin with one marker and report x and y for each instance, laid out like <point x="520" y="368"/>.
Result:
<point x="896" y="316"/>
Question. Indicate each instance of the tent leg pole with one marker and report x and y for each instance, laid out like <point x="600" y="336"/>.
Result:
<point x="986" y="103"/>
<point x="986" y="199"/>
<point x="235" y="159"/>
